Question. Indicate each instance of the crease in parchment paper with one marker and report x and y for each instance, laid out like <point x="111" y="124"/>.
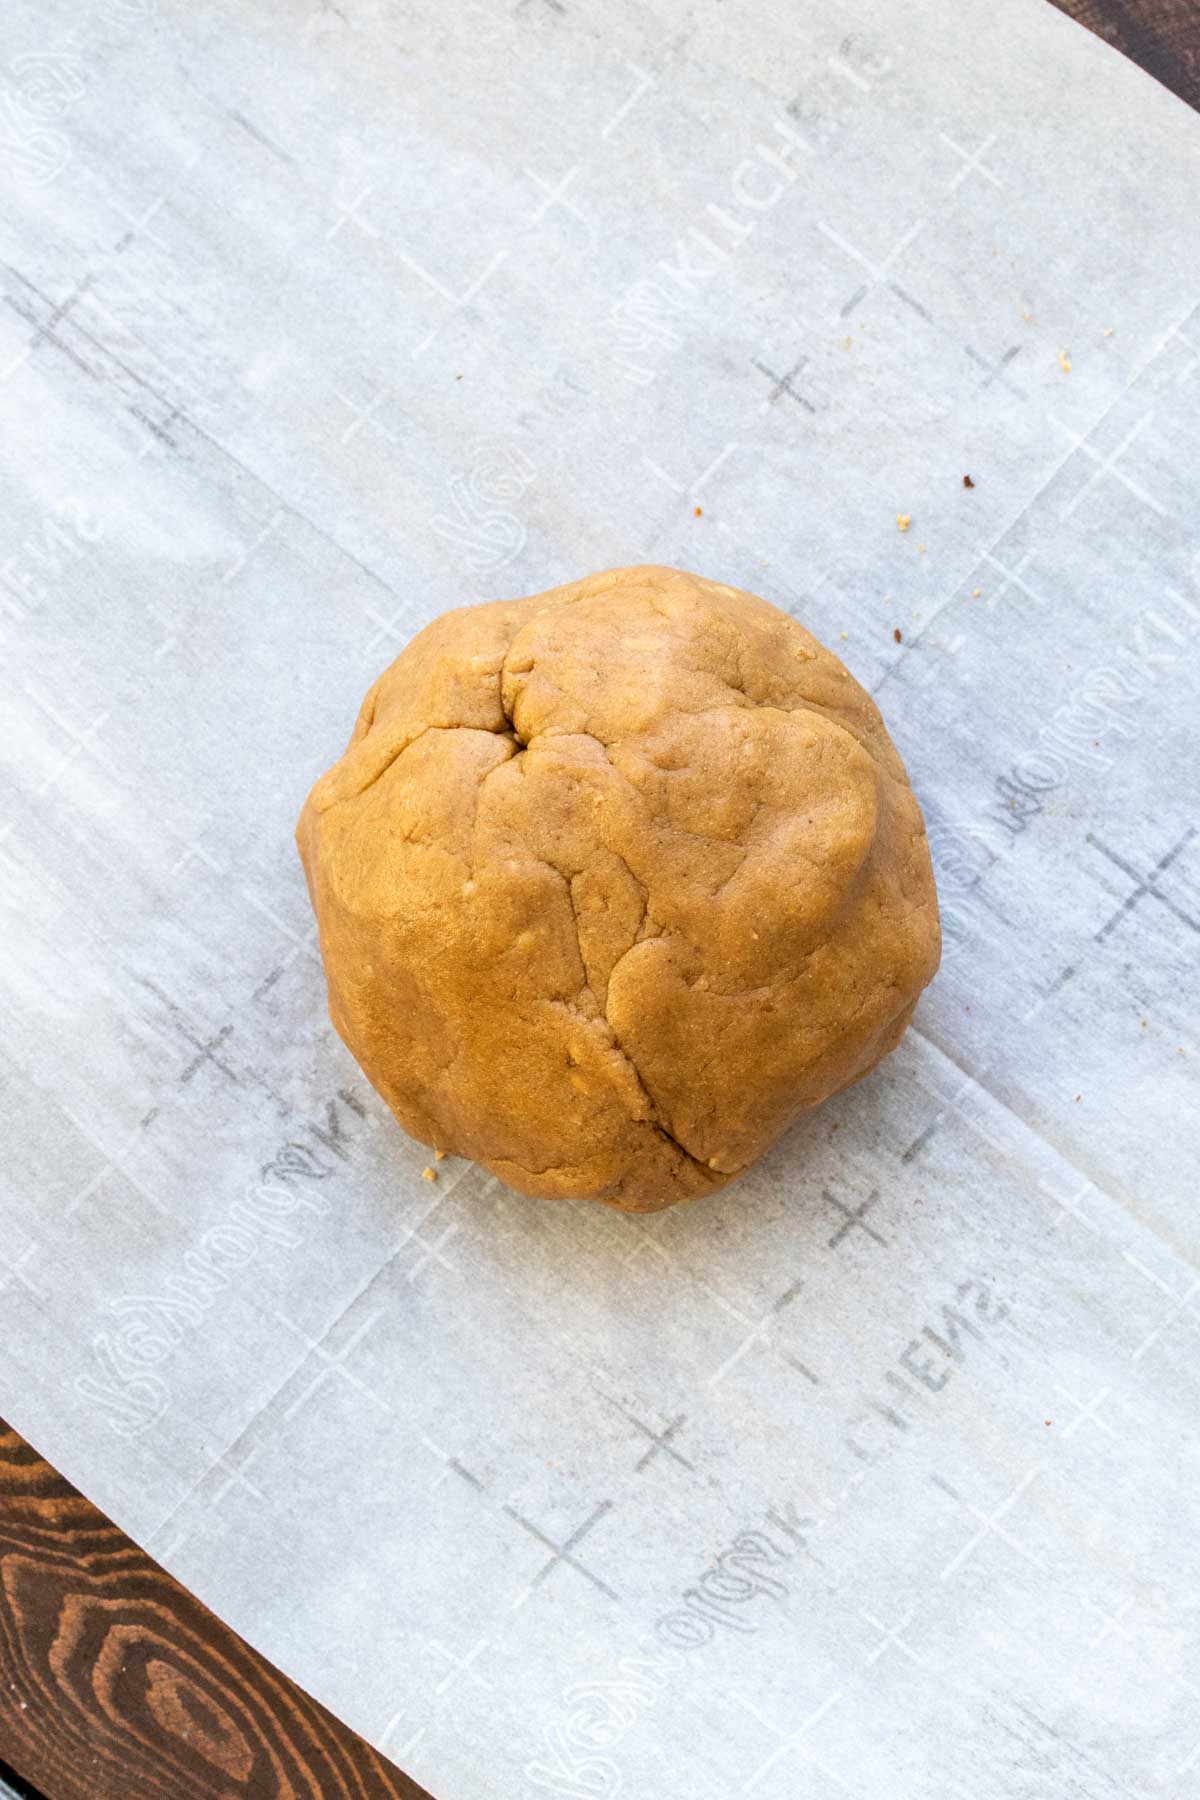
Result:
<point x="264" y="1408"/>
<point x="1023" y="1139"/>
<point x="184" y="421"/>
<point x="1117" y="1205"/>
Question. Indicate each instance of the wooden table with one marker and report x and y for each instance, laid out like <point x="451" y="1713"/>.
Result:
<point x="117" y="1684"/>
<point x="1162" y="35"/>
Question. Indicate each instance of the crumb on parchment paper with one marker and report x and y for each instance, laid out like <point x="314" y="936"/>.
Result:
<point x="428" y="1174"/>
<point x="1064" y="362"/>
<point x="897" y="634"/>
<point x="904" y="520"/>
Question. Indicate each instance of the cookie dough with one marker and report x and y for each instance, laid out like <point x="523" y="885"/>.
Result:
<point x="616" y="881"/>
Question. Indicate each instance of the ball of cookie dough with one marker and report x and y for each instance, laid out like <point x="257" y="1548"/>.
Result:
<point x="615" y="882"/>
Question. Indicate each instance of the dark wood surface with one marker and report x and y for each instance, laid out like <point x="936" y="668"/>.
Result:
<point x="1162" y="35"/>
<point x="115" y="1683"/>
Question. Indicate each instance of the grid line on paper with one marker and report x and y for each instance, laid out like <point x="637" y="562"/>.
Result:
<point x="989" y="1524"/>
<point x="562" y="1553"/>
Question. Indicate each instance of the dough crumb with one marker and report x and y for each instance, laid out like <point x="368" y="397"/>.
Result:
<point x="1064" y="362"/>
<point x="904" y="520"/>
<point x="698" y="512"/>
<point x="428" y="1174"/>
<point x="975" y="593"/>
<point x="967" y="482"/>
<point x="440" y="1155"/>
<point x="897" y="635"/>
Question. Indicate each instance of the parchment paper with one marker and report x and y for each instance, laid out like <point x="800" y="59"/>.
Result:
<point x="877" y="1474"/>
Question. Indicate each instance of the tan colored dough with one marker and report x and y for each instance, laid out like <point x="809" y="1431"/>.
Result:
<point x="615" y="882"/>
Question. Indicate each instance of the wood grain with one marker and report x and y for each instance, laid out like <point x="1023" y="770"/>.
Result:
<point x="1162" y="35"/>
<point x="118" y="1685"/>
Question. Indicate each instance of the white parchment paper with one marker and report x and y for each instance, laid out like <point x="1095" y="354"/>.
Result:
<point x="875" y="1475"/>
